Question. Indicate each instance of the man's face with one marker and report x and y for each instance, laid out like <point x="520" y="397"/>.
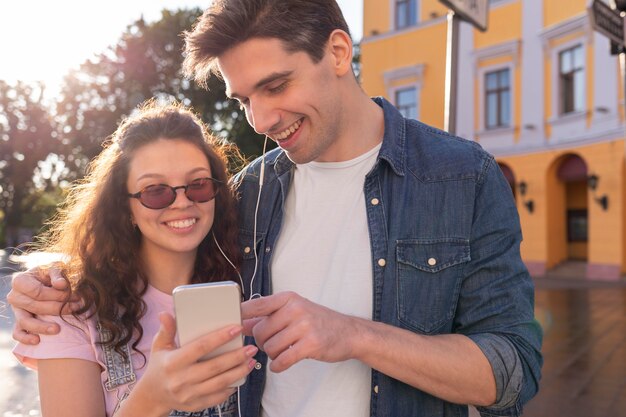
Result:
<point x="286" y="97"/>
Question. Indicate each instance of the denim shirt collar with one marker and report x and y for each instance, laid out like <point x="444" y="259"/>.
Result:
<point x="392" y="149"/>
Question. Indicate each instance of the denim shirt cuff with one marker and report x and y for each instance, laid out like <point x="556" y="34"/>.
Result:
<point x="507" y="371"/>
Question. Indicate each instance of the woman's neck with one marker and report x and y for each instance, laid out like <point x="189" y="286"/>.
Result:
<point x="167" y="270"/>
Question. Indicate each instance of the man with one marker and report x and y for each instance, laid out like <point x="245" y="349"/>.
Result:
<point x="386" y="252"/>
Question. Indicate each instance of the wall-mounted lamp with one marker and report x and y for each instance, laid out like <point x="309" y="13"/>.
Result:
<point x="592" y="183"/>
<point x="529" y="204"/>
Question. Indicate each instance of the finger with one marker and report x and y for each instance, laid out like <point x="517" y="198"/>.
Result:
<point x="25" y="322"/>
<point x="226" y="378"/>
<point x="36" y="274"/>
<point x="287" y="358"/>
<point x="214" y="367"/>
<point x="203" y="401"/>
<point x="165" y="339"/>
<point x="203" y="345"/>
<point x="249" y="324"/>
<point x="280" y="342"/>
<point x="264" y="306"/>
<point x="57" y="279"/>
<point x="24" y="337"/>
<point x="19" y="300"/>
<point x="29" y="284"/>
<point x="270" y="326"/>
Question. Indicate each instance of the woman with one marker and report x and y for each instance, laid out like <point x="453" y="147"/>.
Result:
<point x="154" y="212"/>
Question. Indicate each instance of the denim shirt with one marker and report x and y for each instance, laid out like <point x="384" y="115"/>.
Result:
<point x="442" y="217"/>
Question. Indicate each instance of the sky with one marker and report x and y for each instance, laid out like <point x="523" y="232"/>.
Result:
<point x="43" y="39"/>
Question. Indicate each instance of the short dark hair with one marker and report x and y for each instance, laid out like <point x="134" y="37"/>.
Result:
<point x="302" y="25"/>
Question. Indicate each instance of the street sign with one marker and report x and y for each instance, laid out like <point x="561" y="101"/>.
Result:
<point x="473" y="11"/>
<point x="607" y="21"/>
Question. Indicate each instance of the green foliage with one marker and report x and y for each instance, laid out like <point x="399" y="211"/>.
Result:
<point x="145" y="63"/>
<point x="42" y="147"/>
<point x="28" y="136"/>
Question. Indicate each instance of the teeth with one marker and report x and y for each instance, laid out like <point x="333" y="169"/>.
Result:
<point x="285" y="133"/>
<point x="181" y="224"/>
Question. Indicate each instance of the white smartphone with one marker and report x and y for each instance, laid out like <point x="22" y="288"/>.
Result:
<point x="203" y="308"/>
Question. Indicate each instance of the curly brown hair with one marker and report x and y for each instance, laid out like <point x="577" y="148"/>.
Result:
<point x="95" y="232"/>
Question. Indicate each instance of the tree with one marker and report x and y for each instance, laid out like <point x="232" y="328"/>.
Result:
<point x="145" y="63"/>
<point x="28" y="136"/>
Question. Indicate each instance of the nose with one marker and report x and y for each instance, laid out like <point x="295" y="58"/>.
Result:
<point x="262" y="115"/>
<point x="181" y="200"/>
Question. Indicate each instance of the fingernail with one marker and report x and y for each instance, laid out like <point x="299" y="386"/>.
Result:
<point x="251" y="350"/>
<point x="50" y="330"/>
<point x="235" y="331"/>
<point x="251" y="364"/>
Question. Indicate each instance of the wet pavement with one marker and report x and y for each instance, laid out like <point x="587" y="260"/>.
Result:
<point x="584" y="348"/>
<point x="18" y="386"/>
<point x="584" y="373"/>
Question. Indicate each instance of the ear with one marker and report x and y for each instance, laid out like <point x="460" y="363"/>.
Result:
<point x="340" y="49"/>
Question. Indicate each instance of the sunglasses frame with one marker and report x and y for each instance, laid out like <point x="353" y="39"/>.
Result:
<point x="216" y="183"/>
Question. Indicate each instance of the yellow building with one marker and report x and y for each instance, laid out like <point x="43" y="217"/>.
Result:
<point x="540" y="91"/>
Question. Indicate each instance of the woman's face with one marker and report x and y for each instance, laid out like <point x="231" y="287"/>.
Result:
<point x="180" y="227"/>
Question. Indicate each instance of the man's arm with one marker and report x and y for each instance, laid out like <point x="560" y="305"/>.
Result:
<point x="450" y="367"/>
<point x="37" y="292"/>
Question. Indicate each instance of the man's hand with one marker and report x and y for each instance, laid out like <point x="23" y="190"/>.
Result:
<point x="290" y="328"/>
<point x="34" y="292"/>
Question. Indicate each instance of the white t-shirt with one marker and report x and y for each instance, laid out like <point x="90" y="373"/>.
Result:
<point x="323" y="253"/>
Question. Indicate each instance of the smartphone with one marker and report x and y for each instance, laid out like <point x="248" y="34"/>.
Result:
<point x="203" y="308"/>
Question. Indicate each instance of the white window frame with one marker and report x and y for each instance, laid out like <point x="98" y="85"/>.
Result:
<point x="577" y="24"/>
<point x="555" y="79"/>
<point x="392" y="15"/>
<point x="391" y="86"/>
<point x="394" y="91"/>
<point x="508" y="49"/>
<point x="482" y="72"/>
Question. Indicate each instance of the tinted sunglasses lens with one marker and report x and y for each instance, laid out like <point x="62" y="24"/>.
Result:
<point x="157" y="196"/>
<point x="201" y="190"/>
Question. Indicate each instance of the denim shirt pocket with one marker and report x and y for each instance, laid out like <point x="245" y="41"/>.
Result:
<point x="429" y="276"/>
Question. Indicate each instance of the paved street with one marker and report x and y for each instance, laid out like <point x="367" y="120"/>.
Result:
<point x="18" y="385"/>
<point x="584" y="373"/>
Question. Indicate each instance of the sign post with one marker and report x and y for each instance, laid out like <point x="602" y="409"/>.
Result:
<point x="607" y="21"/>
<point x="474" y="12"/>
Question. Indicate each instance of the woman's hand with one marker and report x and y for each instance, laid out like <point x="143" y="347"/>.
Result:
<point x="175" y="379"/>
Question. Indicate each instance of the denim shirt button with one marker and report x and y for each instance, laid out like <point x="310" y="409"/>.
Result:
<point x="267" y="249"/>
<point x="247" y="249"/>
<point x="374" y="201"/>
<point x="382" y="262"/>
<point x="376" y="389"/>
<point x="432" y="261"/>
<point x="257" y="366"/>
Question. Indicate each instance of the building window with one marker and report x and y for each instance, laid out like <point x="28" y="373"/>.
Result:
<point x="497" y="99"/>
<point x="571" y="80"/>
<point x="406" y="102"/>
<point x="406" y="13"/>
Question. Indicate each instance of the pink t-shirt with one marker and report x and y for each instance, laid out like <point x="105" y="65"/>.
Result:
<point x="79" y="343"/>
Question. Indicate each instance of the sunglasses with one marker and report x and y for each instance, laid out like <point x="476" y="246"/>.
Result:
<point x="159" y="196"/>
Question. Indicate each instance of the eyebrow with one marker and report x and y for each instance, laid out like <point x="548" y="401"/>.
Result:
<point x="264" y="81"/>
<point x="157" y="176"/>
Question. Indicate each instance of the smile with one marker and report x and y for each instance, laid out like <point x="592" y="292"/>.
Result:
<point x="181" y="224"/>
<point x="287" y="132"/>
